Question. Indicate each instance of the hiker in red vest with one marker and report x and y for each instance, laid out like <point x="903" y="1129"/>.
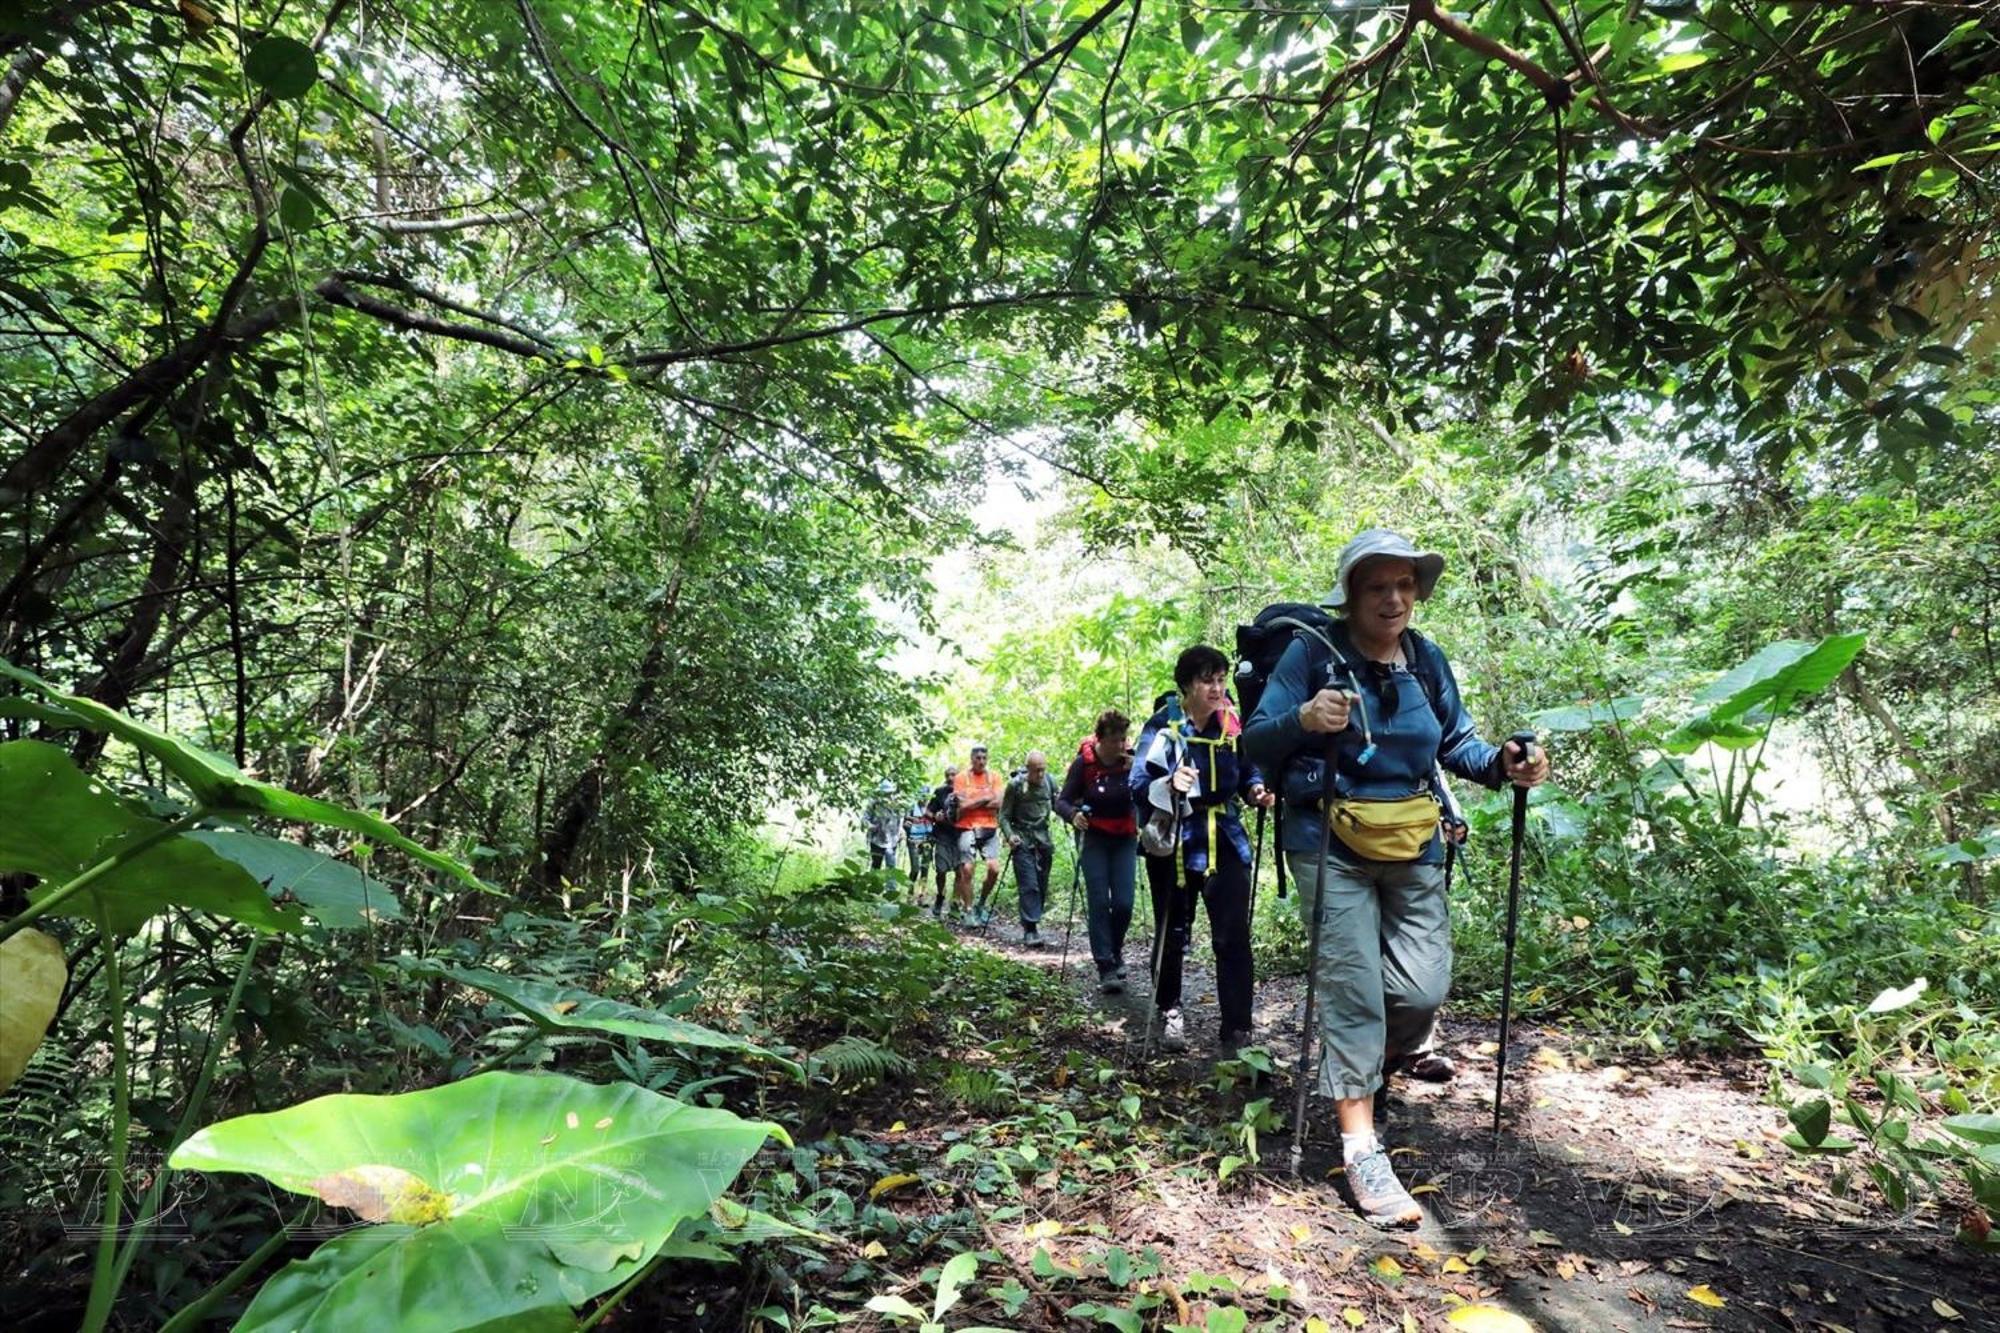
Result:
<point x="1096" y="800"/>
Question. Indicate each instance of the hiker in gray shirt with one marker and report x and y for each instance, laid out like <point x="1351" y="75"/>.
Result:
<point x="1024" y="827"/>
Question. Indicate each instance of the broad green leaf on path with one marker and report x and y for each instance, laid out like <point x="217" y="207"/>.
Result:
<point x="32" y="973"/>
<point x="1975" y="1128"/>
<point x="1893" y="999"/>
<point x="282" y="66"/>
<point x="895" y="1305"/>
<point x="1781" y="673"/>
<point x="1582" y="717"/>
<point x="60" y="823"/>
<point x="1221" y="1319"/>
<point x="554" y="1006"/>
<point x="331" y="892"/>
<point x="1488" y="1319"/>
<point x="225" y="789"/>
<point x="1126" y="1321"/>
<point x="1812" y="1119"/>
<point x="544" y="1191"/>
<point x="958" y="1271"/>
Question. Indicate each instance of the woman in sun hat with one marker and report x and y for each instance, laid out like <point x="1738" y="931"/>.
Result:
<point x="1387" y="698"/>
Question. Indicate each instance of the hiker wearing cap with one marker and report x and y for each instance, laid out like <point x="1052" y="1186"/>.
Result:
<point x="1387" y="699"/>
<point x="884" y="825"/>
<point x="1096" y="800"/>
<point x="1190" y="779"/>
<point x="1024" y="828"/>
<point x="943" y="810"/>
<point x="977" y="789"/>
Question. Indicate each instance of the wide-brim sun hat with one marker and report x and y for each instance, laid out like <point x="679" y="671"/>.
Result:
<point x="1375" y="542"/>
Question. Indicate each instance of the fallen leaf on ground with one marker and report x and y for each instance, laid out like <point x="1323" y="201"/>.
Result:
<point x="1944" y="1310"/>
<point x="1488" y="1319"/>
<point x="1703" y="1295"/>
<point x="895" y="1182"/>
<point x="1540" y="1237"/>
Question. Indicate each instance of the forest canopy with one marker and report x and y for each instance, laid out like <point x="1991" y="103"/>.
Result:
<point x="513" y="451"/>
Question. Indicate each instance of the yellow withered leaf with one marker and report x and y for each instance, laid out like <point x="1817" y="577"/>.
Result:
<point x="1488" y="1319"/>
<point x="1705" y="1295"/>
<point x="384" y="1194"/>
<point x="32" y="974"/>
<point x="1353" y="1317"/>
<point x="895" y="1182"/>
<point x="1944" y="1309"/>
<point x="1046" y="1229"/>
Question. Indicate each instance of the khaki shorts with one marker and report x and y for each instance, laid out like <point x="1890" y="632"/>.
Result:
<point x="978" y="844"/>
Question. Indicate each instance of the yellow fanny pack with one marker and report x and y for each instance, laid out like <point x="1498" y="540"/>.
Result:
<point x="1386" y="830"/>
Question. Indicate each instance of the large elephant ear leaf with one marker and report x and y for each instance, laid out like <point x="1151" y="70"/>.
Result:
<point x="225" y="789"/>
<point x="500" y="1198"/>
<point x="58" y="824"/>
<point x="552" y="1006"/>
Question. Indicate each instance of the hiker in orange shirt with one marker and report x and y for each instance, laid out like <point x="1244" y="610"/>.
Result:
<point x="978" y="792"/>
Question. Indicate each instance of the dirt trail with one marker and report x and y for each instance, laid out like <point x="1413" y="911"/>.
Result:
<point x="1619" y="1196"/>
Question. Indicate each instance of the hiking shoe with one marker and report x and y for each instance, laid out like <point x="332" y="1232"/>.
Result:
<point x="1111" y="983"/>
<point x="1232" y="1041"/>
<point x="1031" y="937"/>
<point x="1432" y="1068"/>
<point x="1173" y="1031"/>
<point x="1379" y="1196"/>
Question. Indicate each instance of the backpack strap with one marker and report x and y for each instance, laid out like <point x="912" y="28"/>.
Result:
<point x="1418" y="650"/>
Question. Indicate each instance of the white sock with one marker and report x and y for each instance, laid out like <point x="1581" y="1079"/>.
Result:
<point x="1354" y="1147"/>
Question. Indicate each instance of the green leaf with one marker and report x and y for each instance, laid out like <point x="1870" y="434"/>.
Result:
<point x="295" y="209"/>
<point x="284" y="67"/>
<point x="958" y="1271"/>
<point x="504" y="1196"/>
<point x="1697" y="732"/>
<point x="552" y="1006"/>
<point x="332" y="892"/>
<point x="1974" y="1128"/>
<point x="895" y="1305"/>
<point x="59" y="824"/>
<point x="1125" y="1321"/>
<point x="1812" y="1119"/>
<point x="1783" y="672"/>
<point x="1582" y="717"/>
<point x="222" y="787"/>
<point x="1118" y="1266"/>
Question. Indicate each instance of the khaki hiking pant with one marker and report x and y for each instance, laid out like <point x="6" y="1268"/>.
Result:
<point x="1384" y="964"/>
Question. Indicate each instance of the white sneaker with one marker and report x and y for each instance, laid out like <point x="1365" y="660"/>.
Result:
<point x="1173" y="1031"/>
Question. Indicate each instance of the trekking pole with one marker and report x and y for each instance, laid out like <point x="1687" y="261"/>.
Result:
<point x="1307" y="1070"/>
<point x="1526" y="740"/>
<point x="1256" y="855"/>
<point x="1075" y="876"/>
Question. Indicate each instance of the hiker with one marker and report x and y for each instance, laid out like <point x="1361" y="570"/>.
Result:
<point x="917" y="834"/>
<point x="943" y="810"/>
<point x="978" y="791"/>
<point x="884" y="825"/>
<point x="1096" y="800"/>
<point x="1188" y="779"/>
<point x="1024" y="827"/>
<point x="1384" y="961"/>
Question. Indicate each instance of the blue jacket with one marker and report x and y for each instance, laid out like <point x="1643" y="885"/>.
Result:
<point x="1168" y="740"/>
<point x="1413" y="735"/>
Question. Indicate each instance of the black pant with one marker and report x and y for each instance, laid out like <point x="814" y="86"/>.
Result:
<point x="1225" y="891"/>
